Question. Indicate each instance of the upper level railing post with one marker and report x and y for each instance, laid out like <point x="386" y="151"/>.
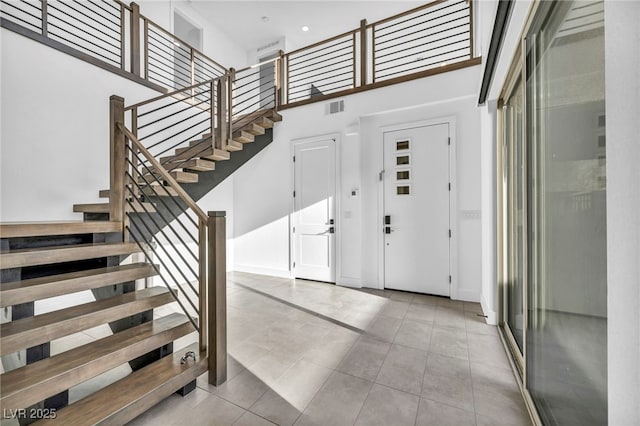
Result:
<point x="117" y="159"/>
<point x="202" y="283"/>
<point x="363" y="52"/>
<point x="45" y="19"/>
<point x="213" y="112"/>
<point x="135" y="38"/>
<point x="280" y="79"/>
<point x="192" y="70"/>
<point x="471" y="50"/>
<point x="217" y="298"/>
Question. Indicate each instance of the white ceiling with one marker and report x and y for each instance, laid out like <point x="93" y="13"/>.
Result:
<point x="243" y="19"/>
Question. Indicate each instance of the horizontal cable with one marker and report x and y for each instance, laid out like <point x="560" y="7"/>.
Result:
<point x="322" y="63"/>
<point x="322" y="75"/>
<point x="167" y="224"/>
<point x="248" y="75"/>
<point x="89" y="17"/>
<point x="171" y="125"/>
<point x="116" y="46"/>
<point x="169" y="53"/>
<point x="176" y="282"/>
<point x="181" y="208"/>
<point x="429" y="12"/>
<point x="183" y="71"/>
<point x="171" y="103"/>
<point x="113" y="5"/>
<point x="39" y="18"/>
<point x="169" y="42"/>
<point x="343" y="64"/>
<point x="349" y="46"/>
<point x="424" y="59"/>
<point x="252" y="105"/>
<point x="422" y="51"/>
<point x="323" y="85"/>
<point x="303" y="82"/>
<point x="108" y="13"/>
<point x="422" y="66"/>
<point x="297" y="56"/>
<point x="170" y="115"/>
<point x="153" y="265"/>
<point x="80" y="46"/>
<point x="83" y="4"/>
<point x="159" y="79"/>
<point x="405" y="42"/>
<point x="38" y="27"/>
<point x="239" y="95"/>
<point x="347" y="86"/>
<point x="379" y="43"/>
<point x="189" y="138"/>
<point x="214" y="68"/>
<point x="179" y="133"/>
<point x="168" y="76"/>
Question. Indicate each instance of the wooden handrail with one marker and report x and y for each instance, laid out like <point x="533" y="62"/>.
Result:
<point x="170" y="94"/>
<point x="158" y="168"/>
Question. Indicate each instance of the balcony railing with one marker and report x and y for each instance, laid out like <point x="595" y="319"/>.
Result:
<point x="434" y="38"/>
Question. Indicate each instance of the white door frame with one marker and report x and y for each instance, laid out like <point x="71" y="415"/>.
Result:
<point x="453" y="207"/>
<point x="336" y="196"/>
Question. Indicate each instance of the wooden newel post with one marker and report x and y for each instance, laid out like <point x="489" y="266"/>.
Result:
<point x="217" y="298"/>
<point x="230" y="83"/>
<point x="135" y="38"/>
<point x="279" y="79"/>
<point x="116" y="159"/>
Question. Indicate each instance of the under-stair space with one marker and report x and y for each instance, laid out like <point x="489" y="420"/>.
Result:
<point x="64" y="265"/>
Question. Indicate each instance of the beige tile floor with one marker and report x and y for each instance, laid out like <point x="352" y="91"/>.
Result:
<point x="308" y="353"/>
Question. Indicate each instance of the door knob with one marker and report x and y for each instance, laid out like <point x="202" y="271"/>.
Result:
<point x="331" y="230"/>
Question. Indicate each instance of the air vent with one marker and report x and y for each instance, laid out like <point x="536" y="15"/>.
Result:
<point x="336" y="107"/>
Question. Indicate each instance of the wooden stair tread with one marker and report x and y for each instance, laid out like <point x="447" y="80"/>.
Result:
<point x="13" y="293"/>
<point x="45" y="256"/>
<point x="254" y="129"/>
<point x="243" y="136"/>
<point x="203" y="150"/>
<point x="105" y="207"/>
<point x="36" y="229"/>
<point x="234" y="146"/>
<point x="134" y="394"/>
<point x="32" y="331"/>
<point x="32" y="383"/>
<point x="179" y="175"/>
<point x="197" y="164"/>
<point x="159" y="191"/>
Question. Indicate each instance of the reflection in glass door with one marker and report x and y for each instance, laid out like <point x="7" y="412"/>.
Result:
<point x="567" y="280"/>
<point x="553" y="195"/>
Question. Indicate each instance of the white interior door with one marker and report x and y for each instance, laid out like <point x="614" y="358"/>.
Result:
<point x="314" y="210"/>
<point x="416" y="208"/>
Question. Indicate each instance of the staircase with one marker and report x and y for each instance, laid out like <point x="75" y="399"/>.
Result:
<point x="152" y="261"/>
<point x="44" y="260"/>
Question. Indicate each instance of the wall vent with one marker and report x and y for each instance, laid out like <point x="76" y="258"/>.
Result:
<point x="335" y="107"/>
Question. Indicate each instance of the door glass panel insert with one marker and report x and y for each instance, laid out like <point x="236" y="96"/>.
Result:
<point x="402" y="160"/>
<point x="402" y="145"/>
<point x="403" y="175"/>
<point x="403" y="190"/>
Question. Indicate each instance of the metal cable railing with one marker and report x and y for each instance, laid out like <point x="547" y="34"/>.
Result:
<point x="254" y="89"/>
<point x="323" y="68"/>
<point x="436" y="35"/>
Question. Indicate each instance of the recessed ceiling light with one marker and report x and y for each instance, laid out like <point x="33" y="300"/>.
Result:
<point x="305" y="28"/>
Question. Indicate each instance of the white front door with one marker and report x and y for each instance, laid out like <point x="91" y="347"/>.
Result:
<point x="416" y="209"/>
<point x="314" y="210"/>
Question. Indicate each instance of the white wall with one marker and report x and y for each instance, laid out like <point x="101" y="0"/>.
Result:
<point x="622" y="62"/>
<point x="263" y="192"/>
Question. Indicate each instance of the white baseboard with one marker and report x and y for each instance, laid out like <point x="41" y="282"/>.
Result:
<point x="281" y="273"/>
<point x="349" y="282"/>
<point x="468" y="296"/>
<point x="491" y="315"/>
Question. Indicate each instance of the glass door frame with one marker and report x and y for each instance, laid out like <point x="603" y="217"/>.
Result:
<point x="517" y="70"/>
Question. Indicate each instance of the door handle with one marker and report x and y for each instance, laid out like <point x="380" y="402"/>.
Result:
<point x="388" y="230"/>
<point x="332" y="230"/>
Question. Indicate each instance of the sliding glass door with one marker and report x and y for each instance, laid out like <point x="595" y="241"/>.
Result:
<point x="553" y="161"/>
